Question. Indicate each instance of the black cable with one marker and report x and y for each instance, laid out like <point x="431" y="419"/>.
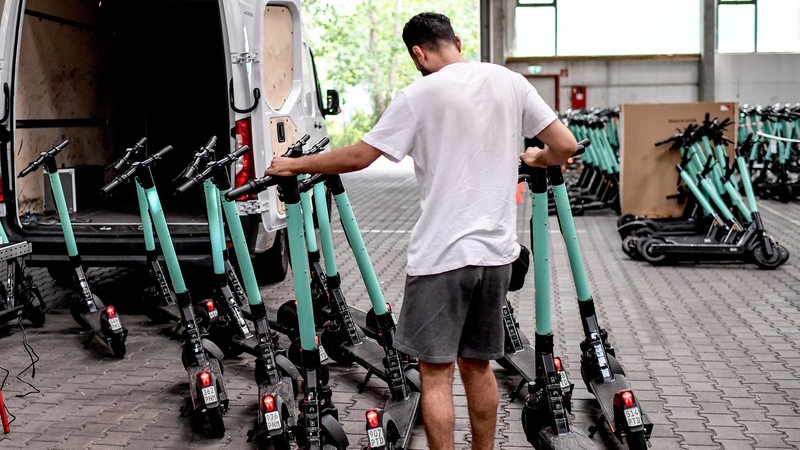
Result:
<point x="34" y="359"/>
<point x="2" y="384"/>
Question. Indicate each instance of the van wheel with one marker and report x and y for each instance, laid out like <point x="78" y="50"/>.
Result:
<point x="273" y="265"/>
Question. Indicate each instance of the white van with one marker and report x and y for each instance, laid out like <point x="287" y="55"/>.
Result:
<point x="104" y="73"/>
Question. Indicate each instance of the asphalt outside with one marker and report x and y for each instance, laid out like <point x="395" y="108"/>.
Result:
<point x="711" y="350"/>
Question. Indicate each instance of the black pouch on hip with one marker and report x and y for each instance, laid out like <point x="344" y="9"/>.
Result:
<point x="519" y="268"/>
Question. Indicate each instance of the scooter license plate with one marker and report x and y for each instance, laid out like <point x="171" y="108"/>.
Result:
<point x="114" y="323"/>
<point x="376" y="438"/>
<point x="273" y="420"/>
<point x="633" y="416"/>
<point x="209" y="394"/>
<point x="213" y="314"/>
<point x="564" y="380"/>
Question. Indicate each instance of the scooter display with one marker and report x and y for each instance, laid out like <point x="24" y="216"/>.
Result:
<point x="87" y="309"/>
<point x="207" y="395"/>
<point x="276" y="377"/>
<point x="318" y="425"/>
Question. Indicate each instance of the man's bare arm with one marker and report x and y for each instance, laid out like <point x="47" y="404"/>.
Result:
<point x="345" y="159"/>
<point x="559" y="142"/>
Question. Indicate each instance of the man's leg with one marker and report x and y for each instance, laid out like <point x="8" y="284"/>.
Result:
<point x="482" y="399"/>
<point x="436" y="395"/>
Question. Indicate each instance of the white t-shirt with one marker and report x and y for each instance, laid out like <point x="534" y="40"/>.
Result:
<point x="463" y="126"/>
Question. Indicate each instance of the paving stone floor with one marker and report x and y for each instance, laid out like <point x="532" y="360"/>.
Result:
<point x="711" y="350"/>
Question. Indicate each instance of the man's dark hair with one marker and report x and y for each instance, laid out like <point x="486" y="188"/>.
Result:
<point x="428" y="30"/>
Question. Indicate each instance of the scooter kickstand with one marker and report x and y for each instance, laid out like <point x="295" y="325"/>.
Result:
<point x="363" y="385"/>
<point x="593" y="429"/>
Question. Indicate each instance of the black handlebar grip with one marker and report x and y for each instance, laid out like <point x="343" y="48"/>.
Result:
<point x="111" y="186"/>
<point x="27" y="170"/>
<point x="162" y="152"/>
<point x="240" y="151"/>
<point x="582" y="147"/>
<point x="186" y="186"/>
<point x="141" y="142"/>
<point x="59" y="147"/>
<point x="251" y="187"/>
<point x="211" y="142"/>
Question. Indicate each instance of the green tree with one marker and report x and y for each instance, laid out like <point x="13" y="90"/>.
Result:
<point x="359" y="50"/>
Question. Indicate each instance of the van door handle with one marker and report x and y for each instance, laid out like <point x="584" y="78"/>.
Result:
<point x="6" y="109"/>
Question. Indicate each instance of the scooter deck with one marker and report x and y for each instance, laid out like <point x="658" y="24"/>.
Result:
<point x="404" y="414"/>
<point x="604" y="392"/>
<point x="369" y="355"/>
<point x="523" y="362"/>
<point x="574" y="440"/>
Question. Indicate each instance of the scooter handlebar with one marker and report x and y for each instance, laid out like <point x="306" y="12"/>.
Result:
<point x="251" y="187"/>
<point x="525" y="170"/>
<point x="42" y="157"/>
<point x="129" y="153"/>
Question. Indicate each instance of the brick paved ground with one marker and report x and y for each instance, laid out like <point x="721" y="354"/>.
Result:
<point x="712" y="350"/>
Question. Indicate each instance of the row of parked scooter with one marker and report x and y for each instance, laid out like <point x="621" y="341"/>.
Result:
<point x="294" y="399"/>
<point x="774" y="158"/>
<point x="718" y="223"/>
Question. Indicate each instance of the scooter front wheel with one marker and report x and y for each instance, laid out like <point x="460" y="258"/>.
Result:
<point x="765" y="261"/>
<point x="333" y="433"/>
<point x="34" y="306"/>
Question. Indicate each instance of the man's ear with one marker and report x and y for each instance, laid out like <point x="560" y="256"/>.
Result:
<point x="418" y="52"/>
<point x="458" y="44"/>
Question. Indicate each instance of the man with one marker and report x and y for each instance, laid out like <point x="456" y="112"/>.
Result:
<point x="462" y="123"/>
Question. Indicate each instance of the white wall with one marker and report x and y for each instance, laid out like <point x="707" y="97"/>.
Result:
<point x="612" y="82"/>
<point x="763" y="78"/>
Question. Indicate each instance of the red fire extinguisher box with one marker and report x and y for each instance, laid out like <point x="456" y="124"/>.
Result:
<point x="578" y="97"/>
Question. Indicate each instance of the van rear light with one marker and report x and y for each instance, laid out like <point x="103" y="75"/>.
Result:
<point x="1" y="189"/>
<point x="245" y="168"/>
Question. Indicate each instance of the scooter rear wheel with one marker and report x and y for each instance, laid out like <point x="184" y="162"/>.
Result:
<point x="333" y="433"/>
<point x="216" y="425"/>
<point x="118" y="345"/>
<point x="645" y="247"/>
<point x="636" y="440"/>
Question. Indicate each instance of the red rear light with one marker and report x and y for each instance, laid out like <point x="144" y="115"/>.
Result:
<point x="372" y="418"/>
<point x="209" y="305"/>
<point x="247" y="170"/>
<point x="269" y="403"/>
<point x="111" y="312"/>
<point x="205" y="379"/>
<point x="557" y="363"/>
<point x="627" y="399"/>
<point x="1" y="189"/>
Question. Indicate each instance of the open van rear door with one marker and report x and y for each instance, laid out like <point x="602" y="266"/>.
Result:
<point x="10" y="28"/>
<point x="274" y="52"/>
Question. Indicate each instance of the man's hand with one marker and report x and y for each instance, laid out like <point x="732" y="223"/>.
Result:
<point x="281" y="167"/>
<point x="533" y="156"/>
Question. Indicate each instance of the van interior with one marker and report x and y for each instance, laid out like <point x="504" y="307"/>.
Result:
<point x="103" y="74"/>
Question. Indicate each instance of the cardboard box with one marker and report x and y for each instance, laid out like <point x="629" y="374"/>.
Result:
<point x="648" y="173"/>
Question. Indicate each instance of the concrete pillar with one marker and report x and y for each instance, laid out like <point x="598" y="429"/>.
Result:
<point x="493" y="31"/>
<point x="707" y="51"/>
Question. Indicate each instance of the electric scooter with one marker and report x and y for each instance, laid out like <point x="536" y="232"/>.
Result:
<point x="159" y="300"/>
<point x="276" y="377"/>
<point x="603" y="375"/>
<point x="207" y="395"/>
<point x="318" y="422"/>
<point x="87" y="309"/>
<point x="389" y="426"/>
<point x="545" y="416"/>
<point x="19" y="297"/>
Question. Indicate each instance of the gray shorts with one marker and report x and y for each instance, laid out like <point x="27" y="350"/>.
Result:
<point x="454" y="314"/>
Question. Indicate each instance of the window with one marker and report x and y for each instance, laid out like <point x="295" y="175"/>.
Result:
<point x="606" y="27"/>
<point x="746" y="26"/>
